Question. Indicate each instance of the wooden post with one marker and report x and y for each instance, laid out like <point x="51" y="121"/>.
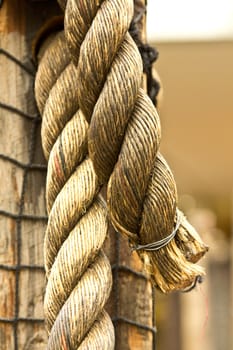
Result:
<point x="22" y="192"/>
<point x="22" y="189"/>
<point x="132" y="294"/>
<point x="205" y="312"/>
<point x="131" y="297"/>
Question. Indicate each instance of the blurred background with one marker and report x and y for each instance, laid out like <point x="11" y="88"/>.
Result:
<point x="195" y="44"/>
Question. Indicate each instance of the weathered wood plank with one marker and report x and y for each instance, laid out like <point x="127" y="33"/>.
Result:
<point x="18" y="23"/>
<point x="131" y="297"/>
<point x="21" y="241"/>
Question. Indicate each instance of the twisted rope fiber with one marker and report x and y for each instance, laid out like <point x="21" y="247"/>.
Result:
<point x="78" y="272"/>
<point x="124" y="137"/>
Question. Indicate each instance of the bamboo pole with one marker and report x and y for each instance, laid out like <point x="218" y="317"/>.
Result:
<point x="21" y="190"/>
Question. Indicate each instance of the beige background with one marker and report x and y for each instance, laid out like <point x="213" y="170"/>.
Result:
<point x="197" y="115"/>
<point x="197" y="122"/>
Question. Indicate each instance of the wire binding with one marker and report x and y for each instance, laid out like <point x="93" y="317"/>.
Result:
<point x="151" y="247"/>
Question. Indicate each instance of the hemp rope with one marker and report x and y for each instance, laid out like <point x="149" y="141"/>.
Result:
<point x="78" y="272"/>
<point x="124" y="137"/>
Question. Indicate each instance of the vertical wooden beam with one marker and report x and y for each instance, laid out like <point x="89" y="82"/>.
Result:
<point x="132" y="293"/>
<point x="205" y="312"/>
<point x="131" y="297"/>
<point x="194" y="318"/>
<point x="21" y="190"/>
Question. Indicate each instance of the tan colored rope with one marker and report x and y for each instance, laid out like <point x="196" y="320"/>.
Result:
<point x="78" y="272"/>
<point x="124" y="138"/>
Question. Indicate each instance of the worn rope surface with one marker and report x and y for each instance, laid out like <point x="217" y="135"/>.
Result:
<point x="124" y="138"/>
<point x="78" y="272"/>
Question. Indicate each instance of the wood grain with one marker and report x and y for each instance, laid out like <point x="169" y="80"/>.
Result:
<point x="19" y="22"/>
<point x="131" y="297"/>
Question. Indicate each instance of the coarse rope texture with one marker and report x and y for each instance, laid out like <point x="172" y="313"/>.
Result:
<point x="78" y="272"/>
<point x="149" y="54"/>
<point x="124" y="137"/>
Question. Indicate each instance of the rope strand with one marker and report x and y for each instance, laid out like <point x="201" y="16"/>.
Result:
<point x="124" y="138"/>
<point x="78" y="272"/>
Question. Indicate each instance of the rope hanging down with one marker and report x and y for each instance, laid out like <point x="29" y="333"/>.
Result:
<point x="78" y="272"/>
<point x="124" y="138"/>
<point x="123" y="141"/>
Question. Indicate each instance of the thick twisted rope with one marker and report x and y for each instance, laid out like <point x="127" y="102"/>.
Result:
<point x="124" y="138"/>
<point x="78" y="272"/>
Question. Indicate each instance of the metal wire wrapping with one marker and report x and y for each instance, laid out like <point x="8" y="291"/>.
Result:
<point x="163" y="242"/>
<point x="21" y="215"/>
